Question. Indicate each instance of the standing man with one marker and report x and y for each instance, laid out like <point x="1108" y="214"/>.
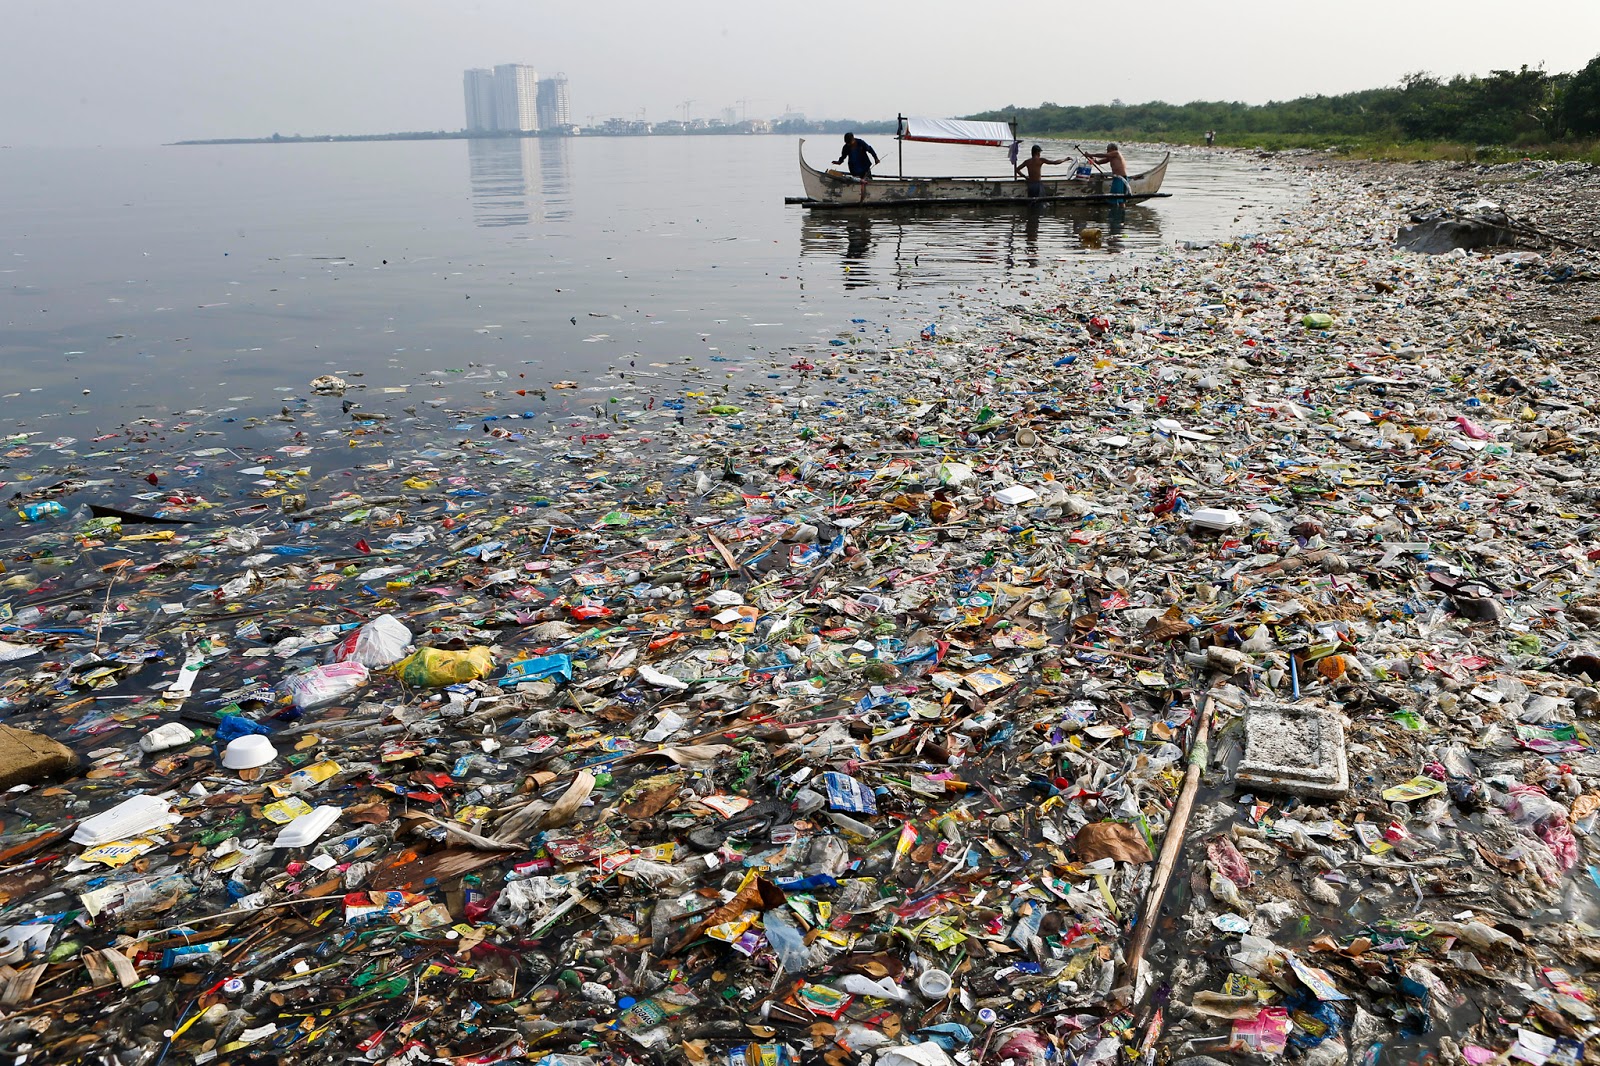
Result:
<point x="1034" y="165"/>
<point x="1119" y="168"/>
<point x="857" y="150"/>
<point x="1211" y="138"/>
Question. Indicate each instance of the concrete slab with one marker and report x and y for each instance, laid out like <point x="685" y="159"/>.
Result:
<point x="1297" y="749"/>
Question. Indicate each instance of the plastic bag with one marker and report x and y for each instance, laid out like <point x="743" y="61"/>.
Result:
<point x="43" y="509"/>
<point x="435" y="668"/>
<point x="381" y="642"/>
<point x="1526" y="806"/>
<point x="322" y="685"/>
<point x="787" y="940"/>
<point x="1026" y="1046"/>
<point x="10" y="651"/>
<point x="1476" y="935"/>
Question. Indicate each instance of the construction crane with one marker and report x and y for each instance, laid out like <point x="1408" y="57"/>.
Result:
<point x="686" y="105"/>
<point x="744" y="108"/>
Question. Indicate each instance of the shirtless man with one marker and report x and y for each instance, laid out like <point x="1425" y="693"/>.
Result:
<point x="1119" y="168"/>
<point x="1034" y="165"/>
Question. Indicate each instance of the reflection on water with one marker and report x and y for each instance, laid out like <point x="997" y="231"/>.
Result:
<point x="518" y="181"/>
<point x="907" y="247"/>
<point x="1214" y="196"/>
<point x="555" y="169"/>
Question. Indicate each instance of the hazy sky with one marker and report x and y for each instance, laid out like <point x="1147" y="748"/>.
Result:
<point x="143" y="71"/>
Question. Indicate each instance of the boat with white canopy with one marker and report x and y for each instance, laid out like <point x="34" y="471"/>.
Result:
<point x="1087" y="184"/>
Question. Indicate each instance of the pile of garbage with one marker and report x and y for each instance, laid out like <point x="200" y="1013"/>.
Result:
<point x="1480" y="225"/>
<point x="852" y="714"/>
<point x="1555" y="209"/>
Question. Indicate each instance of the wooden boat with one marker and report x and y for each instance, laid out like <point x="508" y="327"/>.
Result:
<point x="837" y="189"/>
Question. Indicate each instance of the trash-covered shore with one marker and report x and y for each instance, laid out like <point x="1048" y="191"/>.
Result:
<point x="841" y="715"/>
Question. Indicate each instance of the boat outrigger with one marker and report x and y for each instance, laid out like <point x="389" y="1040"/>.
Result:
<point x="1087" y="184"/>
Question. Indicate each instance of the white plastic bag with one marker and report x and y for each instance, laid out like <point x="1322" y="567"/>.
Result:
<point x="927" y="1054"/>
<point x="162" y="737"/>
<point x="324" y="684"/>
<point x="954" y="473"/>
<point x="381" y="642"/>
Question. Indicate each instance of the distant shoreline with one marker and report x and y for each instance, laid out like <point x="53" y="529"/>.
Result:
<point x="785" y="130"/>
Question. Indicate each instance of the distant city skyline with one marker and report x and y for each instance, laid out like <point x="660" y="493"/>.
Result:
<point x="512" y="98"/>
<point x="477" y="86"/>
<point x="554" y="108"/>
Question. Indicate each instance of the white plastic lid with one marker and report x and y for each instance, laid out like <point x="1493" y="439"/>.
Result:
<point x="307" y="828"/>
<point x="248" y="752"/>
<point x="1012" y="495"/>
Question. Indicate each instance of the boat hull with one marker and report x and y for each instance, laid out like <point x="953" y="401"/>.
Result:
<point x="834" y="189"/>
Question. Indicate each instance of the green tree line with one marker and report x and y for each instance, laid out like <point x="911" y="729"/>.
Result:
<point x="1504" y="107"/>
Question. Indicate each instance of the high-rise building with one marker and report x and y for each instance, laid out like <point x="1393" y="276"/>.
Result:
<point x="516" y="97"/>
<point x="554" y="109"/>
<point x="478" y="87"/>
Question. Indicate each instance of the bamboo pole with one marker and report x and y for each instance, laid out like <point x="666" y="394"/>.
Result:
<point x="1171" y="848"/>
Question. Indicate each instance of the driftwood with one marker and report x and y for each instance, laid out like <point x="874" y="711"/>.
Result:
<point x="1171" y="848"/>
<point x="1523" y="227"/>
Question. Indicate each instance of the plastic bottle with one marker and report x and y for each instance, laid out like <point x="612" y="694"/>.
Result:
<point x="851" y="827"/>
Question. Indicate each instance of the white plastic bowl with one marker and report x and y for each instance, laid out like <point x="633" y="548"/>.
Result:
<point x="248" y="752"/>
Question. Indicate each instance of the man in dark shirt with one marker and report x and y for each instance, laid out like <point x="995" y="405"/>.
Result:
<point x="857" y="150"/>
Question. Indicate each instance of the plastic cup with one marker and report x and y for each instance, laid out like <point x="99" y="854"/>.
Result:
<point x="935" y="984"/>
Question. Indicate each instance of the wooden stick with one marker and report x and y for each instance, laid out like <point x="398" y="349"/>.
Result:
<point x="207" y="918"/>
<point x="1171" y="847"/>
<point x="1551" y="237"/>
<point x="1118" y="654"/>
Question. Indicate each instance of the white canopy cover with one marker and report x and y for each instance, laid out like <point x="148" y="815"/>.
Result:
<point x="957" y="131"/>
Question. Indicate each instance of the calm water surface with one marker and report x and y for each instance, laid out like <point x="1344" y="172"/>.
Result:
<point x="200" y="278"/>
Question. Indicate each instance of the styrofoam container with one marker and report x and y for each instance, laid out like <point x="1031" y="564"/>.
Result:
<point x="130" y="818"/>
<point x="248" y="752"/>
<point x="1219" y="519"/>
<point x="1012" y="495"/>
<point x="307" y="828"/>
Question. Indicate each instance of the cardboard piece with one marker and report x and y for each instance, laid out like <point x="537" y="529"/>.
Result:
<point x="27" y="757"/>
<point x="1111" y="840"/>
